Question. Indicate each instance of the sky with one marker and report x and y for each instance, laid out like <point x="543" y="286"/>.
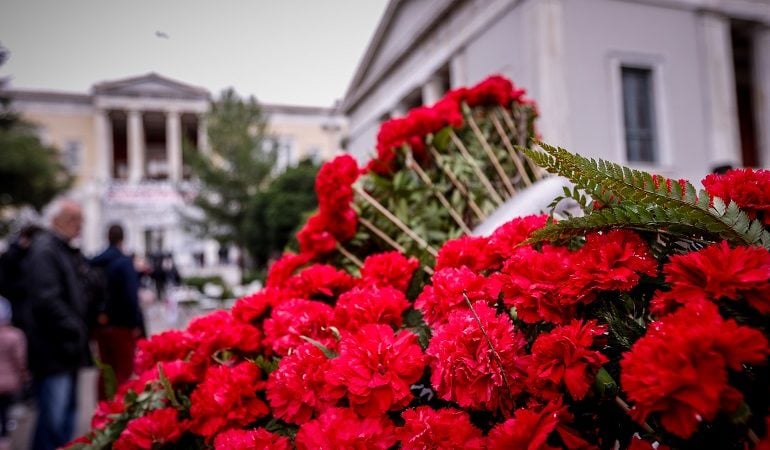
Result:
<point x="281" y="51"/>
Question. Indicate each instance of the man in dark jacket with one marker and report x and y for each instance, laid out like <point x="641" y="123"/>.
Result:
<point x="121" y="322"/>
<point x="53" y="317"/>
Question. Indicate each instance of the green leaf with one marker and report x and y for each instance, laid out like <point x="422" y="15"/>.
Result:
<point x="326" y="351"/>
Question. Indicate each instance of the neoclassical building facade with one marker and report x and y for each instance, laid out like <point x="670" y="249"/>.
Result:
<point x="673" y="86"/>
<point x="124" y="142"/>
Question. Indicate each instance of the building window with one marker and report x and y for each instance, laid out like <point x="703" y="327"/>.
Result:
<point x="638" y="114"/>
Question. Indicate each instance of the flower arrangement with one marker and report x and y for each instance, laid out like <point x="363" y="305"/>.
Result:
<point x="642" y="324"/>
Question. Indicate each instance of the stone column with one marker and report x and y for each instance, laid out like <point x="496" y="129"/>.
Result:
<point x="203" y="135"/>
<point x="104" y="155"/>
<point x="545" y="23"/>
<point x="457" y="76"/>
<point x="722" y="133"/>
<point x="136" y="150"/>
<point x="174" y="146"/>
<point x="762" y="91"/>
<point x="432" y="90"/>
<point x="399" y="110"/>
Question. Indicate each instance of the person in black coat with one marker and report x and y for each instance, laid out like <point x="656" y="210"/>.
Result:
<point x="53" y="316"/>
<point x="11" y="276"/>
<point x="121" y="322"/>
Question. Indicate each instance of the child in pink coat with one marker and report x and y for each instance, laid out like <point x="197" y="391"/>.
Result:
<point x="13" y="364"/>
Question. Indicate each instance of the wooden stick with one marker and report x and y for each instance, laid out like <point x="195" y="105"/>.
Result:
<point x="381" y="234"/>
<point x="624" y="406"/>
<point x="353" y="258"/>
<point x="511" y="151"/>
<point x="439" y="195"/>
<point x="522" y="140"/>
<point x="484" y="180"/>
<point x="458" y="184"/>
<point x="491" y="155"/>
<point x="396" y="221"/>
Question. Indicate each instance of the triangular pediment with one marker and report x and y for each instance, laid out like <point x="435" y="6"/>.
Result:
<point x="401" y="27"/>
<point x="150" y="85"/>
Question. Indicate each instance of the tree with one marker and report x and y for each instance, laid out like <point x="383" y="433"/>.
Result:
<point x="276" y="213"/>
<point x="31" y="173"/>
<point x="236" y="168"/>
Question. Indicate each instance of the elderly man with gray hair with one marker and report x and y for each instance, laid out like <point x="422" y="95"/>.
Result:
<point x="54" y="320"/>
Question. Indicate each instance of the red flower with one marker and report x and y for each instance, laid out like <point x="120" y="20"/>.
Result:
<point x="718" y="271"/>
<point x="495" y="90"/>
<point x="748" y="188"/>
<point x="315" y="238"/>
<point x="166" y="346"/>
<point x="679" y="368"/>
<point x="297" y="389"/>
<point x="156" y="428"/>
<point x="227" y="398"/>
<point x="339" y="428"/>
<point x="389" y="269"/>
<point x="564" y="357"/>
<point x="503" y="242"/>
<point x="321" y="281"/>
<point x="282" y="269"/>
<point x="236" y="439"/>
<point x="447" y="428"/>
<point x="332" y="184"/>
<point x="295" y="318"/>
<point x="637" y="443"/>
<point x="104" y="411"/>
<point x="539" y="284"/>
<point x="466" y="251"/>
<point x="526" y="430"/>
<point x="376" y="368"/>
<point x="220" y="331"/>
<point x="361" y="306"/>
<point x="612" y="261"/>
<point x="446" y="295"/>
<point x="253" y="307"/>
<point x="465" y="369"/>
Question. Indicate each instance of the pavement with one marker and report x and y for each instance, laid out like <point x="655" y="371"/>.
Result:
<point x="159" y="316"/>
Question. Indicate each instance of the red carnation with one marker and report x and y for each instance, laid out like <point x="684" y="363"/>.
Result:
<point x="539" y="284"/>
<point x="297" y="389"/>
<point x="166" y="346"/>
<point x="220" y="331"/>
<point x="227" y="398"/>
<point x="321" y="281"/>
<point x="637" y="443"/>
<point x="748" y="188"/>
<point x="361" y="306"/>
<point x="236" y="439"/>
<point x="447" y="293"/>
<point x="719" y="271"/>
<point x="314" y="238"/>
<point x="295" y="318"/>
<point x="389" y="269"/>
<point x="105" y="409"/>
<point x="156" y="428"/>
<point x="376" y="368"/>
<point x="612" y="261"/>
<point x="503" y="242"/>
<point x="495" y="90"/>
<point x="253" y="307"/>
<point x="466" y="251"/>
<point x="446" y="428"/>
<point x="464" y="367"/>
<point x="332" y="184"/>
<point x="563" y="357"/>
<point x="527" y="429"/>
<point x="339" y="428"/>
<point x="679" y="368"/>
<point x="282" y="269"/>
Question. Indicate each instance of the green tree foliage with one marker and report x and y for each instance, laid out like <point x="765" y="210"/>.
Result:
<point x="237" y="167"/>
<point x="277" y="213"/>
<point x="31" y="173"/>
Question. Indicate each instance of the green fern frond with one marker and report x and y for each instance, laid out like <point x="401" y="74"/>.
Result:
<point x="637" y="199"/>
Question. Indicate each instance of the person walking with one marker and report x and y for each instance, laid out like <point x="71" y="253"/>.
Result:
<point x="13" y="367"/>
<point x="121" y="322"/>
<point x="54" y="320"/>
